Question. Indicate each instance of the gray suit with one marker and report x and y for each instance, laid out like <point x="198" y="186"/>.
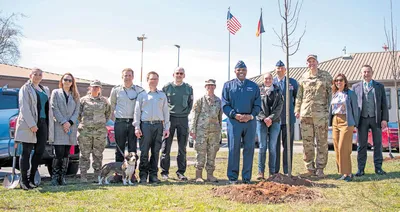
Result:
<point x="63" y="113"/>
<point x="373" y="123"/>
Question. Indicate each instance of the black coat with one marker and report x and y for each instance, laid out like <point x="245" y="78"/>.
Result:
<point x="273" y="112"/>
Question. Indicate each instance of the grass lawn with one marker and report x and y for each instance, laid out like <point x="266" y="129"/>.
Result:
<point x="368" y="193"/>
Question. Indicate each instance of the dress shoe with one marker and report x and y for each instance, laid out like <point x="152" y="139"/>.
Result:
<point x="260" y="176"/>
<point x="181" y="177"/>
<point x="348" y="179"/>
<point x="143" y="180"/>
<point x="341" y="178"/>
<point x="154" y="179"/>
<point x="380" y="172"/>
<point x="25" y="185"/>
<point x="360" y="173"/>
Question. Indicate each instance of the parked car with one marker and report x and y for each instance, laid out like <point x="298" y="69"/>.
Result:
<point x="330" y="139"/>
<point x="394" y="140"/>
<point x="8" y="118"/>
<point x="110" y="141"/>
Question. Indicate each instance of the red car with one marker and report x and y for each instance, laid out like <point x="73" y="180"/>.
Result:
<point x="394" y="141"/>
<point x="110" y="134"/>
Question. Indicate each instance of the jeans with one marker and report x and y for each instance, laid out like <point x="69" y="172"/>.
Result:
<point x="268" y="138"/>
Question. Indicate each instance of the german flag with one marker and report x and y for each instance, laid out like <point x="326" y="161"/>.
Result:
<point x="260" y="27"/>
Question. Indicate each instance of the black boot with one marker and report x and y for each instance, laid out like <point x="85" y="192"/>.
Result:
<point x="24" y="182"/>
<point x="56" y="172"/>
<point x="64" y="169"/>
<point x="32" y="181"/>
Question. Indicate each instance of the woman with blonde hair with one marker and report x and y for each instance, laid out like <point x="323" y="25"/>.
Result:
<point x="343" y="117"/>
<point x="65" y="104"/>
<point x="34" y="126"/>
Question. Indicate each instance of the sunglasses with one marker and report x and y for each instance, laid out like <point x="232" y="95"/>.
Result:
<point x="179" y="73"/>
<point x="339" y="80"/>
<point x="67" y="80"/>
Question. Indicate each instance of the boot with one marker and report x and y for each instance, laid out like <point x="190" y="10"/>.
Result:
<point x="84" y="177"/>
<point x="309" y="173"/>
<point x="210" y="177"/>
<point x="56" y="171"/>
<point x="24" y="183"/>
<point x="64" y="169"/>
<point x="260" y="176"/>
<point x="32" y="181"/>
<point x="199" y="177"/>
<point x="320" y="173"/>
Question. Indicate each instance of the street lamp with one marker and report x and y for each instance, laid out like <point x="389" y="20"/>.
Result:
<point x="179" y="48"/>
<point x="142" y="38"/>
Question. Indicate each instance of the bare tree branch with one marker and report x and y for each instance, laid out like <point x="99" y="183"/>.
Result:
<point x="9" y="38"/>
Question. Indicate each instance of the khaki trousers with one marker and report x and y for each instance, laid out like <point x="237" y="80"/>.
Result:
<point x="342" y="142"/>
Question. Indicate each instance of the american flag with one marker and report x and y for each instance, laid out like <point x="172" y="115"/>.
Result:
<point x="232" y="23"/>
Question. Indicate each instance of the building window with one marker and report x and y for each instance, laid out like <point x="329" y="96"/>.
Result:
<point x="388" y="101"/>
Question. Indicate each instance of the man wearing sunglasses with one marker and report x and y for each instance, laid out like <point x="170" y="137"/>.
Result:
<point x="180" y="102"/>
<point x="122" y="99"/>
<point x="312" y="107"/>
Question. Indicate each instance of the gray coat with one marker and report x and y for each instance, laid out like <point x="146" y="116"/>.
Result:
<point x="28" y="115"/>
<point x="62" y="114"/>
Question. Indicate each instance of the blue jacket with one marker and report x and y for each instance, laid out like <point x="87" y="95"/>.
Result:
<point x="293" y="87"/>
<point x="352" y="110"/>
<point x="241" y="98"/>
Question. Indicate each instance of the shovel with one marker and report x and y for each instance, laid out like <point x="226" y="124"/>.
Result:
<point x="390" y="144"/>
<point x="12" y="181"/>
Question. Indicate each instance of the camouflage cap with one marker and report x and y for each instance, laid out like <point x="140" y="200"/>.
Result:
<point x="312" y="56"/>
<point x="95" y="83"/>
<point x="210" y="82"/>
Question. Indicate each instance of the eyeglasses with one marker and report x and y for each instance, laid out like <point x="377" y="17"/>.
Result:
<point x="67" y="80"/>
<point x="179" y="73"/>
<point x="339" y="80"/>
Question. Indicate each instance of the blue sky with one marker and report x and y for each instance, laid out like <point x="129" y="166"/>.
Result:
<point x="97" y="39"/>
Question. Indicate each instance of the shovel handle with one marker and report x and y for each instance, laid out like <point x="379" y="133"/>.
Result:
<point x="14" y="157"/>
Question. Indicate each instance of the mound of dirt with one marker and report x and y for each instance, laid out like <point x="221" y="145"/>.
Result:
<point x="392" y="159"/>
<point x="266" y="192"/>
<point x="295" y="181"/>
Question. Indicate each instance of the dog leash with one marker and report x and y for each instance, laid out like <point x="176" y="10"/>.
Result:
<point x="120" y="151"/>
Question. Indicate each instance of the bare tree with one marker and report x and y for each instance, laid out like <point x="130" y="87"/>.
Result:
<point x="290" y="45"/>
<point x="394" y="65"/>
<point x="10" y="33"/>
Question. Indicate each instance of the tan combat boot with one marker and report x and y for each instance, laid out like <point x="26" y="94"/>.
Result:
<point x="84" y="177"/>
<point x="260" y="176"/>
<point x="309" y="173"/>
<point x="320" y="173"/>
<point x="199" y="178"/>
<point x="210" y="177"/>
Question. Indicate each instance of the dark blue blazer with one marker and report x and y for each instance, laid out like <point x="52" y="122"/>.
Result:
<point x="381" y="112"/>
<point x="293" y="87"/>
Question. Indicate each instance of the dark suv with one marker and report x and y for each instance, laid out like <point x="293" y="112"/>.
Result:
<point x="8" y="118"/>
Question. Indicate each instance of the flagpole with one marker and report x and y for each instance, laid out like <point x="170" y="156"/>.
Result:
<point x="260" y="46"/>
<point x="229" y="51"/>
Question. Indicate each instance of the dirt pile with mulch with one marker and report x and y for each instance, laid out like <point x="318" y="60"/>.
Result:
<point x="387" y="159"/>
<point x="289" y="190"/>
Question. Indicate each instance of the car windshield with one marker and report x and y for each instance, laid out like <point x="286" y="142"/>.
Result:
<point x="8" y="101"/>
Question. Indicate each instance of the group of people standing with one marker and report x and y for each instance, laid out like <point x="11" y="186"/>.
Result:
<point x="153" y="115"/>
<point x="319" y="101"/>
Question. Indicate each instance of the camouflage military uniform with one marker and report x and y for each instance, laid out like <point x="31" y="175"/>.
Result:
<point x="312" y="103"/>
<point x="93" y="115"/>
<point x="206" y="123"/>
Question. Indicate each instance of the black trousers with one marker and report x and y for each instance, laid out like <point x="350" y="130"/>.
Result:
<point x="283" y="135"/>
<point x="182" y="126"/>
<point x="150" y="140"/>
<point x="61" y="151"/>
<point x="363" y="128"/>
<point x="39" y="147"/>
<point x="124" y="132"/>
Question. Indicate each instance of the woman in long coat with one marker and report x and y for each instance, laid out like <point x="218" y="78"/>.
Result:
<point x="34" y="126"/>
<point x="65" y="104"/>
